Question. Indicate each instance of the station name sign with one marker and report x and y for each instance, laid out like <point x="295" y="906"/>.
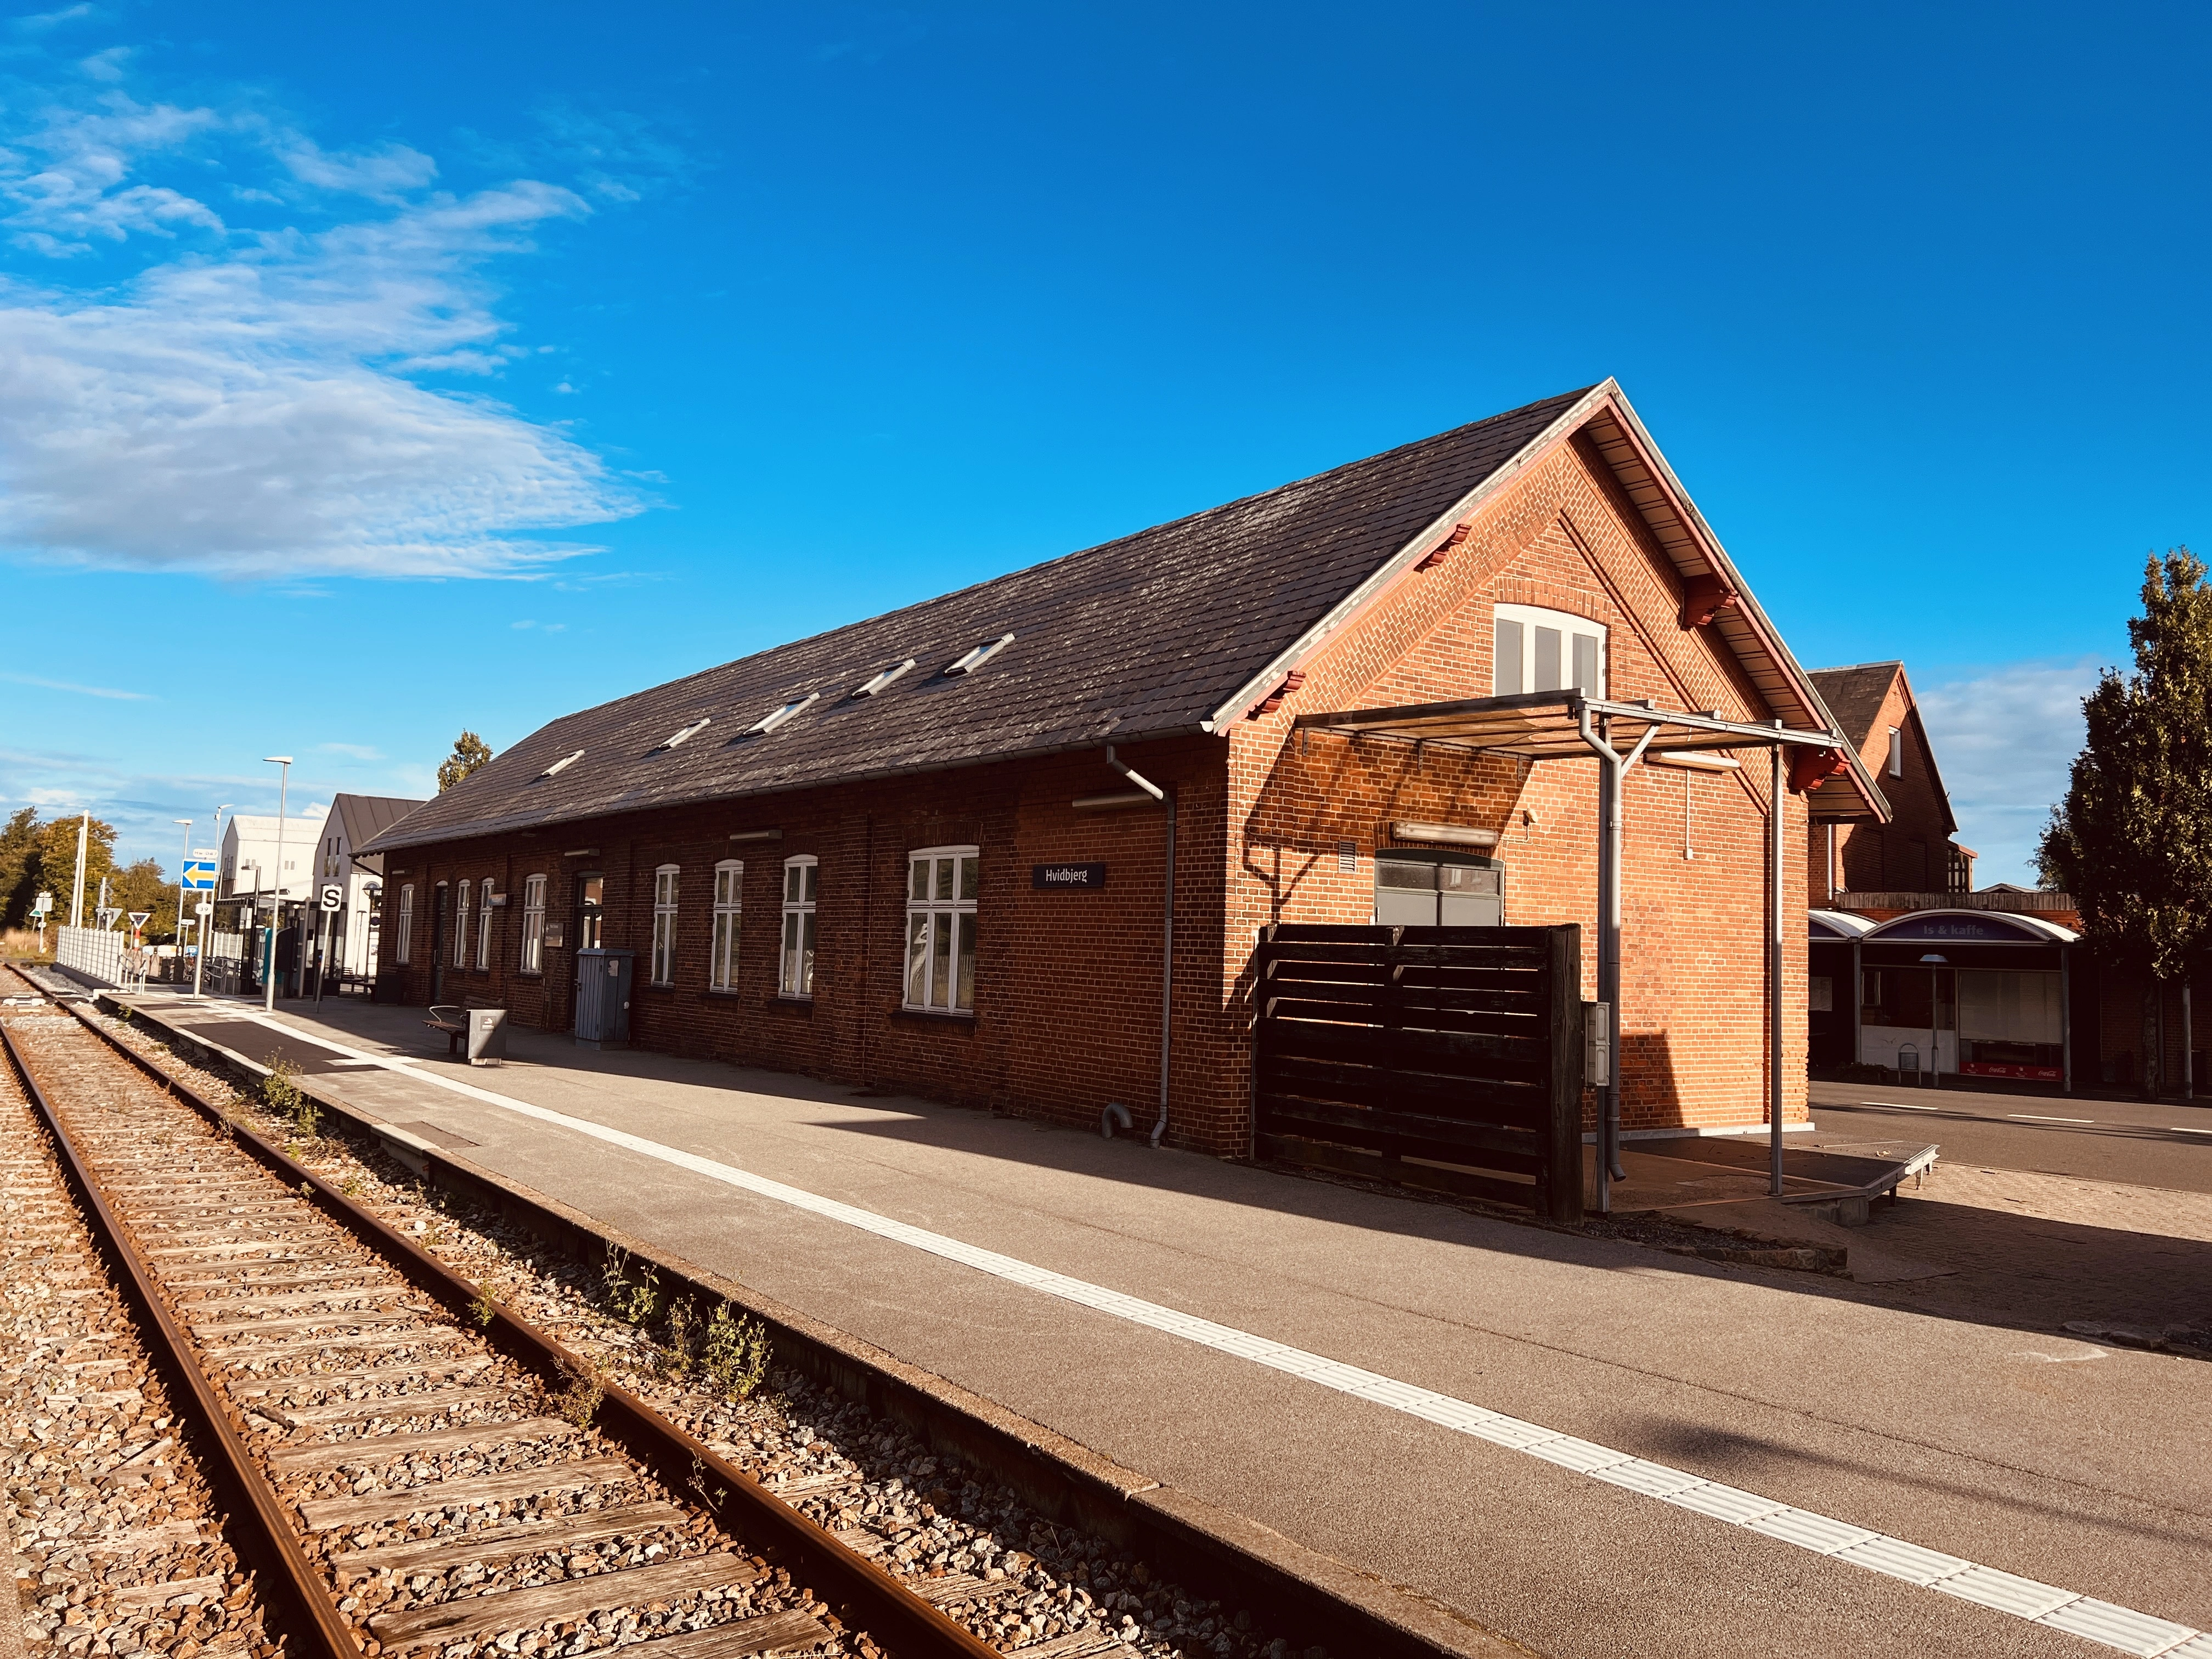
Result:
<point x="1067" y="878"/>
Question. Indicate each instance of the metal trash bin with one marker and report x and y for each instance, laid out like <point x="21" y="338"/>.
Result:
<point x="487" y="1035"/>
<point x="602" y="983"/>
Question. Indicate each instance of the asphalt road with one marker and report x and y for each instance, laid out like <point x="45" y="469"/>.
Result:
<point x="2160" y="1144"/>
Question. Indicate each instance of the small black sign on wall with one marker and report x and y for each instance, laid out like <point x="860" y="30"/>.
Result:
<point x="1067" y="878"/>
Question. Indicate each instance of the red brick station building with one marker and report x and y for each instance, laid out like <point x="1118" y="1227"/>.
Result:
<point x="956" y="850"/>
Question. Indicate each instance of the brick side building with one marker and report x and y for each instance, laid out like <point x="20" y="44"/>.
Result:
<point x="1914" y="852"/>
<point x="911" y="853"/>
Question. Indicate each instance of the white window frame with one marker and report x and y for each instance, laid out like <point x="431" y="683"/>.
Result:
<point x="729" y="915"/>
<point x="667" y="878"/>
<point x="483" y="923"/>
<point x="401" y="947"/>
<point x="1897" y="752"/>
<point x="1527" y="619"/>
<point x="939" y="970"/>
<point x="802" y="892"/>
<point x="460" y="954"/>
<point x="532" y="960"/>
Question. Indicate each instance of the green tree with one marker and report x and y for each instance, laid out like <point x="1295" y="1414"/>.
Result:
<point x="471" y="754"/>
<point x="2132" y="839"/>
<point x="19" y="866"/>
<point x="57" y="862"/>
<point x="145" y="886"/>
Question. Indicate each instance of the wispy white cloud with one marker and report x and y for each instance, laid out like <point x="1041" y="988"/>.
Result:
<point x="242" y="404"/>
<point x="80" y="691"/>
<point x="40" y="23"/>
<point x="360" y="751"/>
<point x="2005" y="742"/>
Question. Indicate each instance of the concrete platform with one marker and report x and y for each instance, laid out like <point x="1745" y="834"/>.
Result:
<point x="2064" y="1461"/>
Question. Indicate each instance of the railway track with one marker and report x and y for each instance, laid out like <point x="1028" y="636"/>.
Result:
<point x="406" y="1465"/>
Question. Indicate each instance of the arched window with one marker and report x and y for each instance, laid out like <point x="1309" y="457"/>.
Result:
<point x="729" y="905"/>
<point x="940" y="928"/>
<point x="460" y="954"/>
<point x="533" y="924"/>
<point x="801" y="886"/>
<point x="664" y="924"/>
<point x="484" y="925"/>
<point x="405" y="923"/>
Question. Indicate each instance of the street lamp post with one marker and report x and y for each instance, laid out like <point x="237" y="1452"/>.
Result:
<point x="184" y="853"/>
<point x="1935" y="964"/>
<point x="207" y="927"/>
<point x="277" y="902"/>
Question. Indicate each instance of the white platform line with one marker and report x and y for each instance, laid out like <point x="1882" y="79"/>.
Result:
<point x="2116" y="1627"/>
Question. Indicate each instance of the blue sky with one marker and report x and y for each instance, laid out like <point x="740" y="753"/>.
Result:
<point x="372" y="372"/>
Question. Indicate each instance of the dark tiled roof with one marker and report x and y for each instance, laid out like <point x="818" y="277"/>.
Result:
<point x="364" y="817"/>
<point x="1140" y="637"/>
<point x="1855" y="694"/>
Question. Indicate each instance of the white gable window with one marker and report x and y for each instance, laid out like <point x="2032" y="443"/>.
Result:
<point x="1540" y="650"/>
<point x="1896" y="751"/>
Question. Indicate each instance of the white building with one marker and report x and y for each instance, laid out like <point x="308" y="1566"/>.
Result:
<point x="250" y="857"/>
<point x="353" y="819"/>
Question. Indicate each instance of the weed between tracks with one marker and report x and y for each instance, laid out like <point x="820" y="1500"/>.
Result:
<point x="1019" y="1578"/>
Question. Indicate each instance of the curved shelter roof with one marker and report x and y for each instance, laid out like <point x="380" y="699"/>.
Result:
<point x="1832" y="925"/>
<point x="1970" y="928"/>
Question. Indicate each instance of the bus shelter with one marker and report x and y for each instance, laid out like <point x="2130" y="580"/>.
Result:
<point x="1970" y="993"/>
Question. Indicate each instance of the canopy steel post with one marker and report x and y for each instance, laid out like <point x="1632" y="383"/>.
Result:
<point x="1612" y="774"/>
<point x="2066" y="1019"/>
<point x="1774" y="942"/>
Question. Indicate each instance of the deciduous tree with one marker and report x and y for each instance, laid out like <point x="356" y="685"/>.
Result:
<point x="2132" y="841"/>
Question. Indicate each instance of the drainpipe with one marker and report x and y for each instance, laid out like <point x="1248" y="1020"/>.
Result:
<point x="1167" y="931"/>
<point x="1774" y="946"/>
<point x="1612" y="772"/>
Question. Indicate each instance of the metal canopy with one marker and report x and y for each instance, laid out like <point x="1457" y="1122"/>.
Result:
<point x="1538" y="725"/>
<point x="1541" y="725"/>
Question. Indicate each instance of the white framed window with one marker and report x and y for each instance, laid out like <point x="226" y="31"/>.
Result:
<point x="802" y="878"/>
<point x="940" y="928"/>
<point x="664" y="924"/>
<point x="729" y="909"/>
<point x="1540" y="650"/>
<point x="484" y="925"/>
<point x="458" y="956"/>
<point x="1896" y="751"/>
<point x="533" y="924"/>
<point x="406" y="923"/>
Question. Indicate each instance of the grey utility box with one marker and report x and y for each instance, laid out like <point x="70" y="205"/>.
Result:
<point x="602" y="981"/>
<point x="487" y="1035"/>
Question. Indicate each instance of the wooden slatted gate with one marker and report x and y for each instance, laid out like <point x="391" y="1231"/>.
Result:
<point x="1442" y="1056"/>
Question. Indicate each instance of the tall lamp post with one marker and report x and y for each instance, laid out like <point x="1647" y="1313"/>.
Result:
<point x="1933" y="964"/>
<point x="276" y="901"/>
<point x="207" y="928"/>
<point x="183" y="854"/>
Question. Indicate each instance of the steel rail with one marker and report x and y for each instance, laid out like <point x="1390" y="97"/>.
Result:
<point x="861" y="1593"/>
<point x="268" y="1540"/>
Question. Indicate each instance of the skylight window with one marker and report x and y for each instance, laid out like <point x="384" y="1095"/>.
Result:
<point x="562" y="764"/>
<point x="869" y="687"/>
<point x="981" y="654"/>
<point x="690" y="731"/>
<point x="776" y="717"/>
